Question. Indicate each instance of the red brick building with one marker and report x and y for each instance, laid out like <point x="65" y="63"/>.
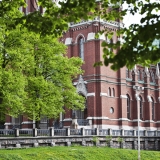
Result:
<point x="110" y="97"/>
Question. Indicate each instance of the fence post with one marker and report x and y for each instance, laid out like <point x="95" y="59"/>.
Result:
<point x="67" y="131"/>
<point x="83" y="131"/>
<point x="97" y="131"/>
<point x="51" y="131"/>
<point x="110" y="131"/>
<point x="156" y="132"/>
<point x="122" y="132"/>
<point x="134" y="132"/>
<point x="16" y="132"/>
<point x="34" y="132"/>
<point x="145" y="133"/>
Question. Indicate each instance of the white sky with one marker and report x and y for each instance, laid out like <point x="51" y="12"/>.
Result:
<point x="135" y="19"/>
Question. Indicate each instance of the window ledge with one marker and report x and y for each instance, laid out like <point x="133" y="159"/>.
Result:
<point x="128" y="79"/>
<point x="152" y="83"/>
<point x="140" y="81"/>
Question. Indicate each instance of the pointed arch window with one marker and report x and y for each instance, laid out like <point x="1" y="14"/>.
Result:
<point x="143" y="74"/>
<point x="113" y="92"/>
<point x="81" y="47"/>
<point x="109" y="91"/>
<point x="139" y="75"/>
<point x="79" y="114"/>
<point x="16" y="121"/>
<point x="141" y="108"/>
<point x="153" y="109"/>
<point x="152" y="77"/>
<point x="128" y="106"/>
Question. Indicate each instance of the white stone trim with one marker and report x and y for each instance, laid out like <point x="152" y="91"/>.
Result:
<point x="67" y="119"/>
<point x="149" y="98"/>
<point x="148" y="121"/>
<point x="103" y="22"/>
<point x="103" y="94"/>
<point x="91" y="94"/>
<point x="124" y="119"/>
<point x="125" y="127"/>
<point x="80" y="35"/>
<point x="91" y="36"/>
<point x="30" y="122"/>
<point x="123" y="96"/>
<point x="75" y="83"/>
<point x="159" y="99"/>
<point x="102" y="37"/>
<point x="68" y="41"/>
<point x="103" y="118"/>
<point x="81" y="86"/>
<point x="136" y="120"/>
<point x="7" y="124"/>
<point x="137" y="97"/>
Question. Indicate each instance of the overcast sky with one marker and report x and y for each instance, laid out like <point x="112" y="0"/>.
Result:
<point x="130" y="19"/>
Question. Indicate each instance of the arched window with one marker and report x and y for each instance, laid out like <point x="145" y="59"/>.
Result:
<point x="128" y="106"/>
<point x="141" y="108"/>
<point x="139" y="75"/>
<point x="113" y="92"/>
<point x="143" y="74"/>
<point x="16" y="121"/>
<point x="81" y="47"/>
<point x="152" y="77"/>
<point x="153" y="109"/>
<point x="109" y="91"/>
<point x="79" y="114"/>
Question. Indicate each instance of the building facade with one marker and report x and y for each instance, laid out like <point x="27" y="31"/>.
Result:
<point x="110" y="97"/>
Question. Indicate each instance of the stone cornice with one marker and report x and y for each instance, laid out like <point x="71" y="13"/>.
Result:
<point x="84" y="24"/>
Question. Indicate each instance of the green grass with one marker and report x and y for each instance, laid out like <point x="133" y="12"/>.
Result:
<point x="76" y="153"/>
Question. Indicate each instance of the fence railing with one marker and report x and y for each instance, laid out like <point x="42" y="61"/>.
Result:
<point x="71" y="132"/>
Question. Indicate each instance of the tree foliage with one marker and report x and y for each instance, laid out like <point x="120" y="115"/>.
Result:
<point x="35" y="74"/>
<point x="137" y="47"/>
<point x="45" y="69"/>
<point x="139" y="39"/>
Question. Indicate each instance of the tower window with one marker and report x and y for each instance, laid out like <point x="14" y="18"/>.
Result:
<point x="152" y="77"/>
<point x="139" y="75"/>
<point x="109" y="91"/>
<point x="81" y="48"/>
<point x="141" y="108"/>
<point x="153" y="109"/>
<point x="128" y="106"/>
<point x="143" y="74"/>
<point x="113" y="92"/>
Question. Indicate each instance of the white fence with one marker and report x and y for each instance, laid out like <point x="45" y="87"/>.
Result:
<point x="67" y="132"/>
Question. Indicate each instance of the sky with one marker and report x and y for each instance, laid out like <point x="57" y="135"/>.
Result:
<point x="135" y="19"/>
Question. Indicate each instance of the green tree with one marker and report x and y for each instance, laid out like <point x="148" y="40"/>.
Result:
<point x="35" y="74"/>
<point x="138" y="40"/>
<point x="138" y="45"/>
